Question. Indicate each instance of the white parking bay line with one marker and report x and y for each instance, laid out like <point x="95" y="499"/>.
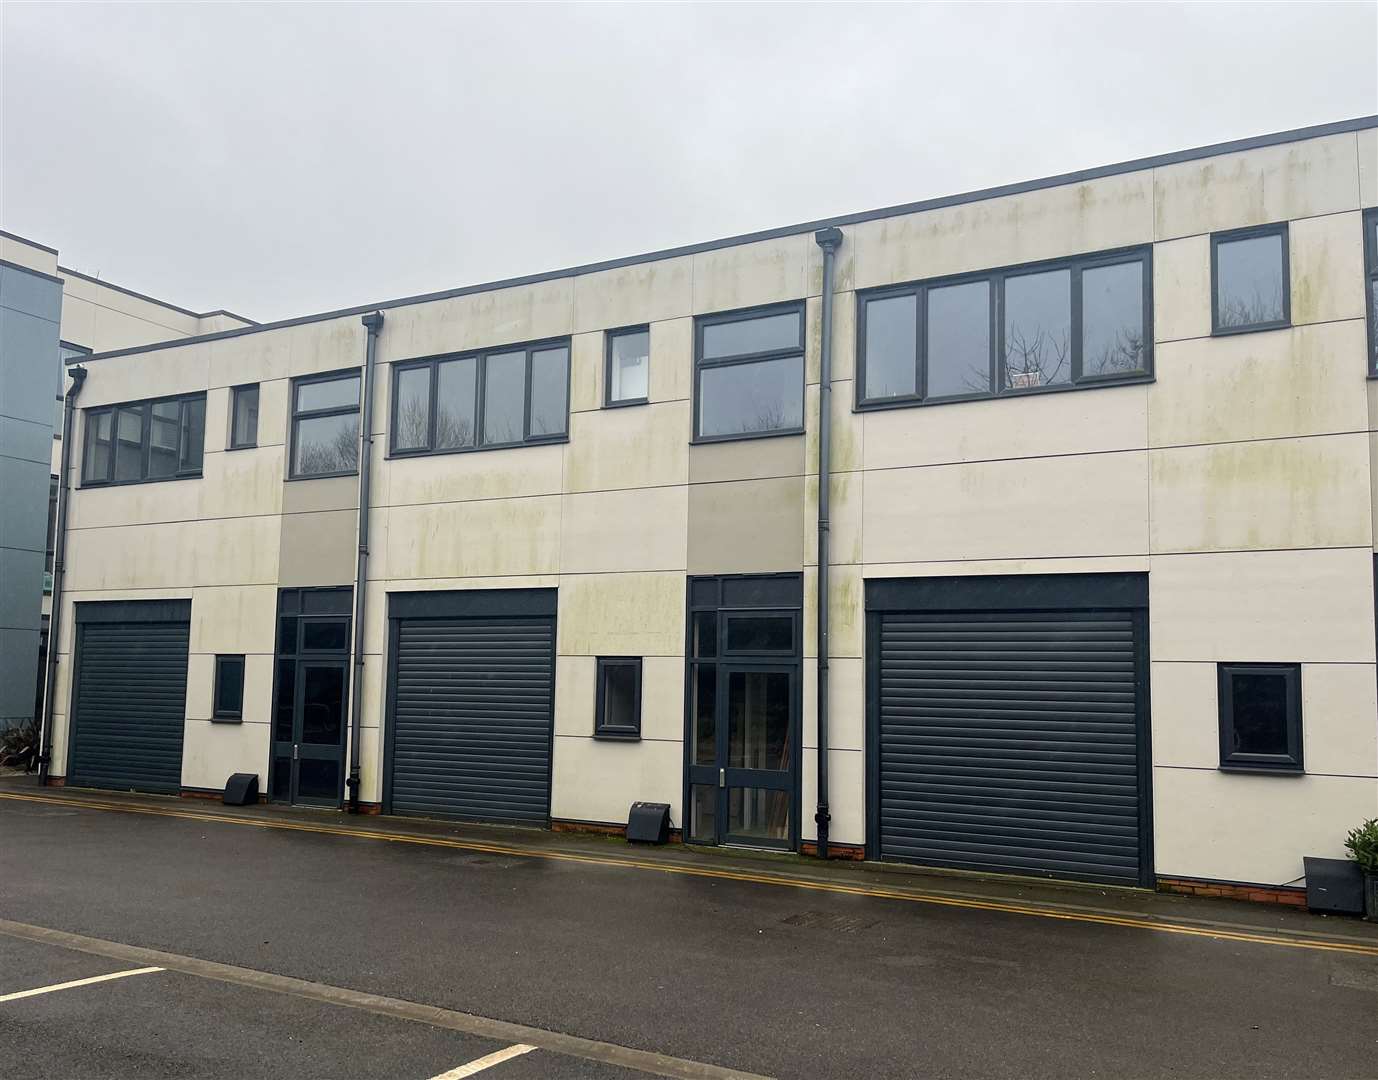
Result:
<point x="487" y="1062"/>
<point x="77" y="982"/>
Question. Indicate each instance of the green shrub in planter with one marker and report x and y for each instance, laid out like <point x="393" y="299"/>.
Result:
<point x="1363" y="846"/>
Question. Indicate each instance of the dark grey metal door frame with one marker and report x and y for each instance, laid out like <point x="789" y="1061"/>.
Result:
<point x="779" y="595"/>
<point x="295" y="749"/>
<point x="1090" y="593"/>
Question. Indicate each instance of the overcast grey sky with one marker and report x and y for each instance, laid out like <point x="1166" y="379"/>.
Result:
<point x="283" y="159"/>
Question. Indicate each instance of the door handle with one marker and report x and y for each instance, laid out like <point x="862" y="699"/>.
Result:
<point x="722" y="778"/>
<point x="295" y="755"/>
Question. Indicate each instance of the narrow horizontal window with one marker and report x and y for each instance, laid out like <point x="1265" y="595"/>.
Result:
<point x="506" y="397"/>
<point x="1050" y="326"/>
<point x="1260" y="717"/>
<point x="760" y="634"/>
<point x="618" y="705"/>
<point x="627" y="375"/>
<point x="750" y="374"/>
<point x="244" y="417"/>
<point x="141" y="441"/>
<point x="325" y="425"/>
<point x="229" y="688"/>
<point x="1251" y="289"/>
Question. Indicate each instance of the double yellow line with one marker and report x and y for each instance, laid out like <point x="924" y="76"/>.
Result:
<point x="1353" y="948"/>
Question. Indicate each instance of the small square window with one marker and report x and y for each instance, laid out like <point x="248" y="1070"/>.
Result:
<point x="244" y="417"/>
<point x="618" y="709"/>
<point x="627" y="372"/>
<point x="229" y="689"/>
<point x="1250" y="283"/>
<point x="1260" y="717"/>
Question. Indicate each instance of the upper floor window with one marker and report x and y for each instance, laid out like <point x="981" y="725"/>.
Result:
<point x="68" y="352"/>
<point x="1371" y="265"/>
<point x="244" y="416"/>
<point x="749" y="374"/>
<point x="1075" y="322"/>
<point x="325" y="425"/>
<point x="510" y="396"/>
<point x="1250" y="285"/>
<point x="140" y="441"/>
<point x="627" y="372"/>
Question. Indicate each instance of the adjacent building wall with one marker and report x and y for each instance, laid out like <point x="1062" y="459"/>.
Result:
<point x="84" y="312"/>
<point x="1242" y="480"/>
<point x="30" y="306"/>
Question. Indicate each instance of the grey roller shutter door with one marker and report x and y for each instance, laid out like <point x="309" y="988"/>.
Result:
<point x="473" y="714"/>
<point x="130" y="706"/>
<point x="1009" y="742"/>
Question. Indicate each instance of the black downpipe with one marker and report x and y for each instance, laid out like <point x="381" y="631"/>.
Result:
<point x="829" y="240"/>
<point x="374" y="323"/>
<point x="64" y="484"/>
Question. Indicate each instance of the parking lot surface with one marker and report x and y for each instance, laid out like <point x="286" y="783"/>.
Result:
<point x="713" y="973"/>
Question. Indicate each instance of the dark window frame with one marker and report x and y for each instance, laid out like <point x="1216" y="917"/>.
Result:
<point x="1076" y="265"/>
<point x="235" y="391"/>
<point x="50" y="548"/>
<point x="91" y="415"/>
<point x="617" y="732"/>
<point x="746" y="315"/>
<point x="295" y="415"/>
<point x="608" y="337"/>
<point x="1370" y="280"/>
<point x="480" y="358"/>
<point x="1278" y="228"/>
<point x="1290" y="763"/>
<point x="227" y="716"/>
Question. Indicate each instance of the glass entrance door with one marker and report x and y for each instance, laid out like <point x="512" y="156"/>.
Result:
<point x="311" y="697"/>
<point x="743" y="738"/>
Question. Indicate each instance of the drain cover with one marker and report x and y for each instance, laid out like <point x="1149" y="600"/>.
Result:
<point x="822" y="920"/>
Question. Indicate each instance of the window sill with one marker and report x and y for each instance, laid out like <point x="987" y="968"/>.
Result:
<point x="93" y="484"/>
<point x="244" y="446"/>
<point x="323" y="475"/>
<point x="1264" y="770"/>
<point x="703" y="440"/>
<point x="617" y="736"/>
<point x="1005" y="395"/>
<point x="227" y="719"/>
<point x="1258" y="328"/>
<point x="625" y="404"/>
<point x="402" y="455"/>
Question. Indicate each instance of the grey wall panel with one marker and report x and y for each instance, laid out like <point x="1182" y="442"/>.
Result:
<point x="28" y="440"/>
<point x="473" y="706"/>
<point x="20" y="602"/>
<point x="318" y="548"/>
<point x="1009" y="741"/>
<point x="32" y="293"/>
<point x="129" y="711"/>
<point x="29" y="362"/>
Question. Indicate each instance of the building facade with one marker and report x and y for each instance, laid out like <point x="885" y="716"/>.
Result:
<point x="1101" y="535"/>
<point x="50" y="314"/>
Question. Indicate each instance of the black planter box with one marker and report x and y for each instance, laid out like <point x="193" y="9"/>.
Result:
<point x="1334" y="886"/>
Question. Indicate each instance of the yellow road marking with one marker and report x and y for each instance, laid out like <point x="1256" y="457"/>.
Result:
<point x="485" y="1062"/>
<point x="77" y="982"/>
<point x="722" y="874"/>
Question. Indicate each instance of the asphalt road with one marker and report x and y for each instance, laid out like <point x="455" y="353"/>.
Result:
<point x="785" y="982"/>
